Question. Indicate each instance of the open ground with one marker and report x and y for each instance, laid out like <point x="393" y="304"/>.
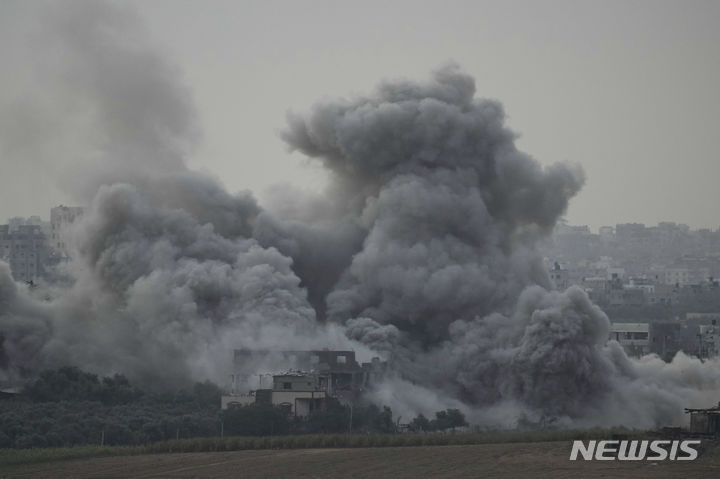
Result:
<point x="537" y="460"/>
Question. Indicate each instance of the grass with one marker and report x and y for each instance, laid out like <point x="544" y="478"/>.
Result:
<point x="9" y="457"/>
<point x="239" y="443"/>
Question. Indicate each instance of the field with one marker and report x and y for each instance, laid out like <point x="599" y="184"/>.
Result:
<point x="508" y="460"/>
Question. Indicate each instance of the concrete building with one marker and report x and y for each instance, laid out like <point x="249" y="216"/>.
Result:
<point x="705" y="421"/>
<point x="615" y="274"/>
<point x="665" y="339"/>
<point x="686" y="276"/>
<point x="633" y="337"/>
<point x="607" y="232"/>
<point x="62" y="219"/>
<point x="560" y="277"/>
<point x="24" y="248"/>
<point x="631" y="232"/>
<point x="663" y="294"/>
<point x="231" y="400"/>
<point x="677" y="276"/>
<point x="299" y="393"/>
<point x="597" y="288"/>
<point x="308" y="379"/>
<point x="709" y="340"/>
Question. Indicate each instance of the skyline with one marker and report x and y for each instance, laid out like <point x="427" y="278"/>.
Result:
<point x="592" y="230"/>
<point x="426" y="248"/>
<point x="627" y="90"/>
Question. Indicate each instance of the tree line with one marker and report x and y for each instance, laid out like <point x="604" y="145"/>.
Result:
<point x="69" y="407"/>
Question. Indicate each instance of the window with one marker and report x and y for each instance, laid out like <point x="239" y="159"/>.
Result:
<point x="287" y="385"/>
<point x="342" y="359"/>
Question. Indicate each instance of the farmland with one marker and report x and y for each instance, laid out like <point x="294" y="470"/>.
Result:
<point x="539" y="459"/>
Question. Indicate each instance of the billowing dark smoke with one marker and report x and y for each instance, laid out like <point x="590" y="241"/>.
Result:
<point x="421" y="250"/>
<point x="446" y="200"/>
<point x="447" y="280"/>
<point x="167" y="278"/>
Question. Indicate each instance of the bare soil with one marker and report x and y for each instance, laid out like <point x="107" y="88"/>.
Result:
<point x="534" y="460"/>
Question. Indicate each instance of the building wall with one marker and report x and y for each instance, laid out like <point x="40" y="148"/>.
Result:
<point x="300" y="401"/>
<point x="61" y="220"/>
<point x="709" y="341"/>
<point x="24" y="249"/>
<point x="665" y="339"/>
<point x="633" y="337"/>
<point x="236" y="400"/>
<point x="294" y="382"/>
<point x="679" y="276"/>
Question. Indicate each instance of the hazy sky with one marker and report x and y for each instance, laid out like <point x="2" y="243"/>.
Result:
<point x="628" y="89"/>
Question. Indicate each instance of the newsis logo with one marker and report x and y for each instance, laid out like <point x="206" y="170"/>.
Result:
<point x="635" y="450"/>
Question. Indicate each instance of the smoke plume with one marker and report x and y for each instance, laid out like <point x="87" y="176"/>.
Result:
<point x="422" y="249"/>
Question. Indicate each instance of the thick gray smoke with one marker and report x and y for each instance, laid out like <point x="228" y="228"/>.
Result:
<point x="448" y="282"/>
<point x="167" y="279"/>
<point x="447" y="201"/>
<point x="422" y="249"/>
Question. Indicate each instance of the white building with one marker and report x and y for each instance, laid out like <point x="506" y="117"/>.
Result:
<point x="298" y="393"/>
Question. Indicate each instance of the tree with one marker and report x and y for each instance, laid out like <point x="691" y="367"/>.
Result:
<point x="336" y="418"/>
<point x="255" y="420"/>
<point x="449" y="418"/>
<point x="420" y="424"/>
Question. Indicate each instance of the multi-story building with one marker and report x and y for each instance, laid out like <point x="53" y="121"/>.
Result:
<point x="631" y="232"/>
<point x="61" y="220"/>
<point x="666" y="339"/>
<point x="313" y="377"/>
<point x="633" y="337"/>
<point x="709" y="336"/>
<point x="597" y="288"/>
<point x="606" y="232"/>
<point x="298" y="392"/>
<point x="677" y="276"/>
<point x="24" y="248"/>
<point x="560" y="277"/>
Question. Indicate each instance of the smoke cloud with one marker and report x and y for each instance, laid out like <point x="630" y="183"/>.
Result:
<point x="421" y="250"/>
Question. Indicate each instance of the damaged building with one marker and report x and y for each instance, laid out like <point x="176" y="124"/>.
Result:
<point x="705" y="421"/>
<point x="303" y="381"/>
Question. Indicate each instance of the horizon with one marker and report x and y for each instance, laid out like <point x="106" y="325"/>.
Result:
<point x="624" y="90"/>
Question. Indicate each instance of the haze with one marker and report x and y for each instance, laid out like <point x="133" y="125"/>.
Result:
<point x="626" y="89"/>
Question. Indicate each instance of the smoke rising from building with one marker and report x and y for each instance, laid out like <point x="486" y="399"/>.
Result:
<point x="422" y="249"/>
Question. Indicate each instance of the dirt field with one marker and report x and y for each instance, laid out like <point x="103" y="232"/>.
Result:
<point x="535" y="460"/>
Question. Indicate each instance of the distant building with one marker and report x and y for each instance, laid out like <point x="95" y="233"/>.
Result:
<point x="299" y="393"/>
<point x="664" y="294"/>
<point x="559" y="277"/>
<point x="633" y="337"/>
<point x="597" y="288"/>
<point x="677" y="276"/>
<point x="307" y="380"/>
<point x="61" y="220"/>
<point x="615" y="273"/>
<point x="606" y="232"/>
<point x="565" y="229"/>
<point x="665" y="339"/>
<point x="631" y="232"/>
<point x="24" y="248"/>
<point x="705" y="421"/>
<point x="709" y="339"/>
